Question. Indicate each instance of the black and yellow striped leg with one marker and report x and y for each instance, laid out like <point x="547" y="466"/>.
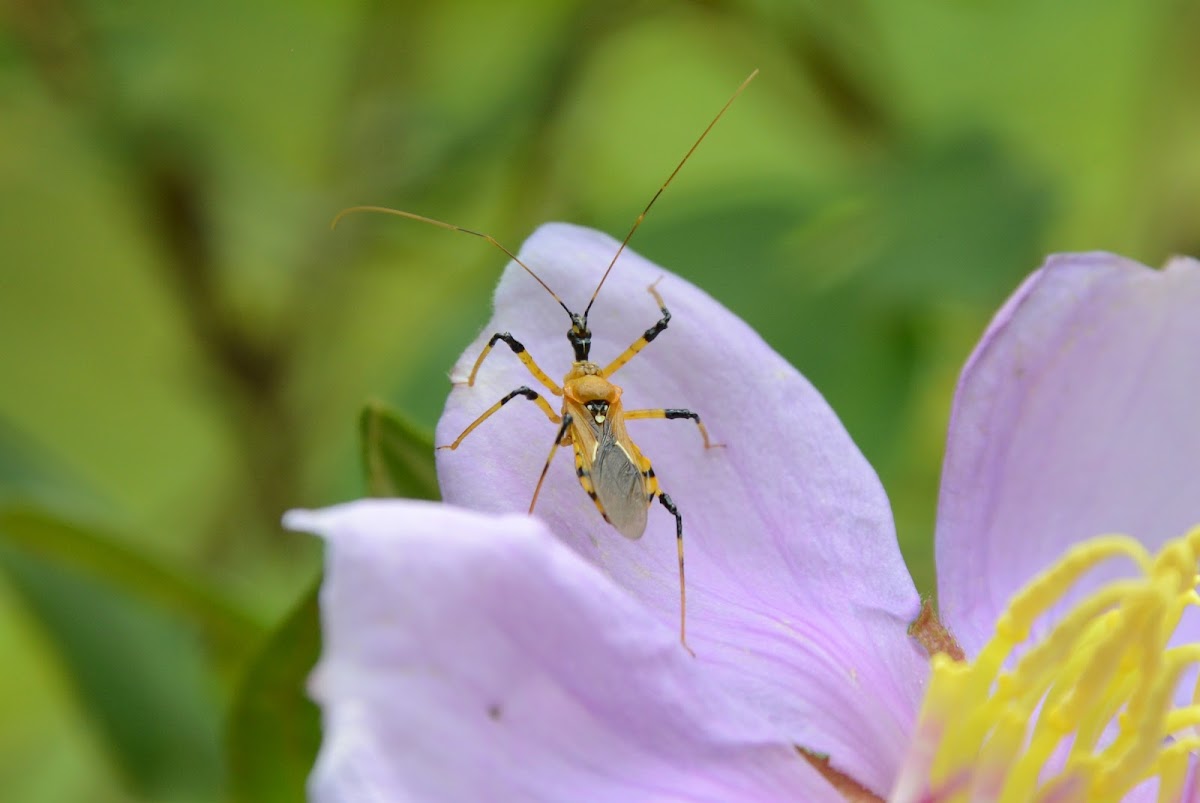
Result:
<point x="522" y="355"/>
<point x="558" y="441"/>
<point x="674" y="511"/>
<point x="646" y="338"/>
<point x="673" y="413"/>
<point x="532" y="395"/>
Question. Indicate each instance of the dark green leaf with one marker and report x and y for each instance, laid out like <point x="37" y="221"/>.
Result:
<point x="89" y="551"/>
<point x="275" y="729"/>
<point x="26" y="469"/>
<point x="954" y="222"/>
<point x="397" y="456"/>
<point x="140" y="676"/>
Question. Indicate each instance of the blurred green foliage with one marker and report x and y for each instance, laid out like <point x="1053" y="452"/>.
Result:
<point x="184" y="345"/>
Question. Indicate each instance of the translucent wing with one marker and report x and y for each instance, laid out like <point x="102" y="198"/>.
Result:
<point x="618" y="481"/>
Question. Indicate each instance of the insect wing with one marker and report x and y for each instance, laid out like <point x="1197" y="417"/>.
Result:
<point x="618" y="482"/>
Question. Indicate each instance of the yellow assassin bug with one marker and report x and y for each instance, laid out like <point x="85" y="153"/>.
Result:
<point x="609" y="465"/>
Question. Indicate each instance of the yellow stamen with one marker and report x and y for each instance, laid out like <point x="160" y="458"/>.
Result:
<point x="1083" y="711"/>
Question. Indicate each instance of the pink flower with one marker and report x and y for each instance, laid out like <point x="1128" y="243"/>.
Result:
<point x="473" y="653"/>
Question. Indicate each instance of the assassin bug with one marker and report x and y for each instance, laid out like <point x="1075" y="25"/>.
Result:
<point x="612" y="470"/>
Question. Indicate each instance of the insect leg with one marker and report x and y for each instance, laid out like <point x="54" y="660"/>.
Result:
<point x="674" y="511"/>
<point x="558" y="441"/>
<point x="671" y="413"/>
<point x="532" y="395"/>
<point x="647" y="336"/>
<point x="522" y="355"/>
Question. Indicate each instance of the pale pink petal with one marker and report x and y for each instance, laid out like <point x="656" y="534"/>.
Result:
<point x="470" y="657"/>
<point x="1077" y="415"/>
<point x="798" y="599"/>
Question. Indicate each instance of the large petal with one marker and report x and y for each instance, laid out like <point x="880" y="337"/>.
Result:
<point x="1077" y="415"/>
<point x="798" y="599"/>
<point x="473" y="657"/>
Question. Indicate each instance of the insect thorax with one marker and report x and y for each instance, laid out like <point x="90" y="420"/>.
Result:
<point x="584" y="384"/>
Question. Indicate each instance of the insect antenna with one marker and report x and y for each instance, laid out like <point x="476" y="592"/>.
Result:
<point x="441" y="224"/>
<point x="670" y="178"/>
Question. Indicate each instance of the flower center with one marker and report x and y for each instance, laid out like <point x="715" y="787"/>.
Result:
<point x="1086" y="711"/>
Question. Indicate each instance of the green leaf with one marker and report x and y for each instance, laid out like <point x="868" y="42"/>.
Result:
<point x="91" y="552"/>
<point x="397" y="455"/>
<point x="954" y="221"/>
<point x="26" y="470"/>
<point x="275" y="729"/>
<point x="141" y="676"/>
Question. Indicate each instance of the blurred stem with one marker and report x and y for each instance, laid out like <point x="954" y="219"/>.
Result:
<point x="837" y="46"/>
<point x="55" y="37"/>
<point x="513" y="127"/>
<point x="60" y="41"/>
<point x="251" y="365"/>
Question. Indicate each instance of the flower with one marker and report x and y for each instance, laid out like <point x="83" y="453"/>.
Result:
<point x="474" y="654"/>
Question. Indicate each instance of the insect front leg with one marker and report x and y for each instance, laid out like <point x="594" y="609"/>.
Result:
<point x="647" y="336"/>
<point x="522" y="355"/>
<point x="532" y="395"/>
<point x="673" y="413"/>
<point x="674" y="511"/>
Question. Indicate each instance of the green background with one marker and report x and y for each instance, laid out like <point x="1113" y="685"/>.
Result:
<point x="185" y="347"/>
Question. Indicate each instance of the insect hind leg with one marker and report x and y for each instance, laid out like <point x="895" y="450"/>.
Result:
<point x="524" y="391"/>
<point x="667" y="502"/>
<point x="568" y="419"/>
